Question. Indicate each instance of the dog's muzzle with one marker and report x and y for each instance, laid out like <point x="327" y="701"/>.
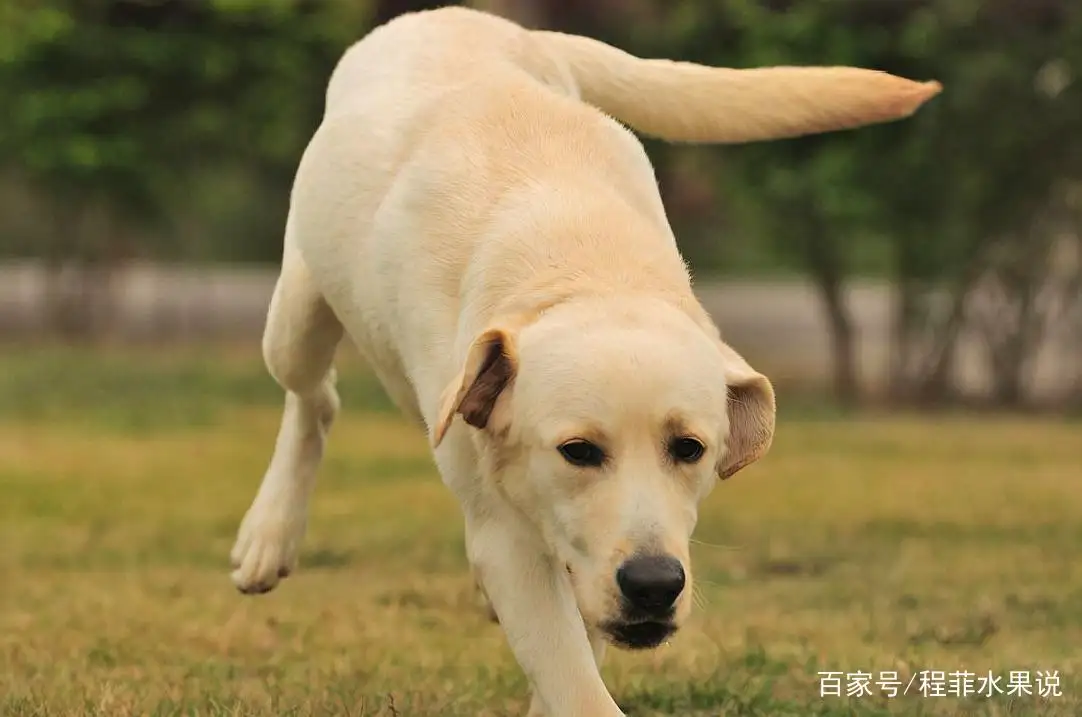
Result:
<point x="650" y="586"/>
<point x="643" y="635"/>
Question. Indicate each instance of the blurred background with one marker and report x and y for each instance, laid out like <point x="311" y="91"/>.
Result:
<point x="147" y="149"/>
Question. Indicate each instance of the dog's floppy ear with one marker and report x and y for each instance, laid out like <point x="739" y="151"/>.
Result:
<point x="490" y="365"/>
<point x="751" y="413"/>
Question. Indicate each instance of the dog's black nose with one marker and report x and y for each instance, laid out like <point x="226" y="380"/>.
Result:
<point x="651" y="583"/>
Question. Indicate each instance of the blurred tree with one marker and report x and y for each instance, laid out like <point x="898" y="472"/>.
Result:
<point x="114" y="108"/>
<point x="979" y="172"/>
<point x="140" y="120"/>
<point x="976" y="169"/>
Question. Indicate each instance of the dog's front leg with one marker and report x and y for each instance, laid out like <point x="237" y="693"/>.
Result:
<point x="536" y="608"/>
<point x="597" y="645"/>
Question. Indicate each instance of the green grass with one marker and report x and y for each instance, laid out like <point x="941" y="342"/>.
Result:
<point x="883" y="543"/>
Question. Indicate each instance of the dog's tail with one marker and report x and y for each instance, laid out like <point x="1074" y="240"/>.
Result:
<point x="685" y="102"/>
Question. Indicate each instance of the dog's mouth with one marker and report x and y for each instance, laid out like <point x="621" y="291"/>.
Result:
<point x="638" y="635"/>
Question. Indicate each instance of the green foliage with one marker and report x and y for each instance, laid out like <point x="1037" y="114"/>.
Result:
<point x="168" y="109"/>
<point x="978" y="161"/>
<point x="125" y="104"/>
<point x="973" y="186"/>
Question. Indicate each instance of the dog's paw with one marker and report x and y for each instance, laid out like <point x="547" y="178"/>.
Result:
<point x="266" y="549"/>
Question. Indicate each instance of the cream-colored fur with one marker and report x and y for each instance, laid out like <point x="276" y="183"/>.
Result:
<point x="494" y="244"/>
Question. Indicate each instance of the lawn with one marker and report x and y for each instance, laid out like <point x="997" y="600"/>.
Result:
<point x="902" y="544"/>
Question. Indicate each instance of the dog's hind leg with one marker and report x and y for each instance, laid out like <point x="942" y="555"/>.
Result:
<point x="299" y="343"/>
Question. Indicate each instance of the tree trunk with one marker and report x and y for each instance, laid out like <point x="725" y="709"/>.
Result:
<point x="905" y="334"/>
<point x="843" y="344"/>
<point x="826" y="265"/>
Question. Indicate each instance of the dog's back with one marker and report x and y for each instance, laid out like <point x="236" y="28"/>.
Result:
<point x="431" y="120"/>
<point x="676" y="101"/>
<point x="431" y="50"/>
<point x="437" y="122"/>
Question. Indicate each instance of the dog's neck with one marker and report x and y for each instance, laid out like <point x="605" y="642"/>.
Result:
<point x="558" y="289"/>
<point x="560" y="249"/>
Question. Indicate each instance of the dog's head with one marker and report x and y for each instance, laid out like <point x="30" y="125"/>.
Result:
<point x="606" y="423"/>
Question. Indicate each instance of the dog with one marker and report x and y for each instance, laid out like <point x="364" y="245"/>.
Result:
<point x="475" y="213"/>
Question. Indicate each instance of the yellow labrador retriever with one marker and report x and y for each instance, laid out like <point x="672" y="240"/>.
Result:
<point x="473" y="214"/>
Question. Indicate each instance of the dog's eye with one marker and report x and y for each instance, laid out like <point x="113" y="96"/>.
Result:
<point x="686" y="450"/>
<point x="582" y="453"/>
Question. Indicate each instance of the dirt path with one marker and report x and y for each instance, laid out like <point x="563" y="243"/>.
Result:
<point x="778" y="325"/>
